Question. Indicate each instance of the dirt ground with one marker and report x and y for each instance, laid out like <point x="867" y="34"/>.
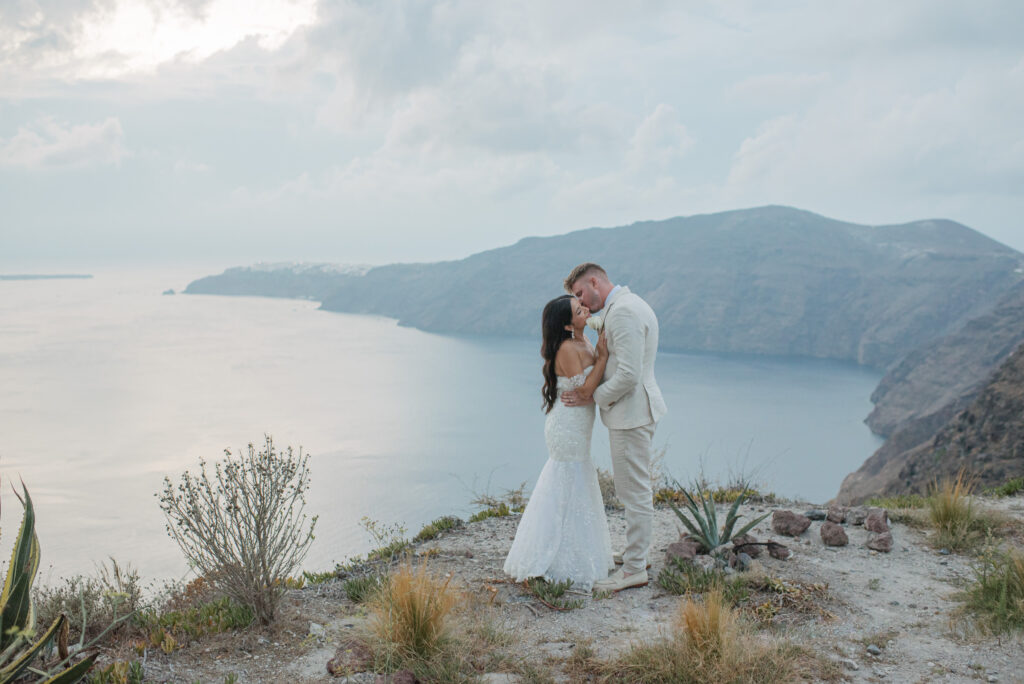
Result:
<point x="902" y="602"/>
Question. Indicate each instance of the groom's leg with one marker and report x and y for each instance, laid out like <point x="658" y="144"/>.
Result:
<point x="631" y="466"/>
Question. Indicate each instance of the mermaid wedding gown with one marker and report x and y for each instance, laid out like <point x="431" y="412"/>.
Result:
<point x="563" y="534"/>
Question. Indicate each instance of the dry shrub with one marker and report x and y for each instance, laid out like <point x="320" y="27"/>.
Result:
<point x="411" y="611"/>
<point x="996" y="596"/>
<point x="711" y="643"/>
<point x="951" y="510"/>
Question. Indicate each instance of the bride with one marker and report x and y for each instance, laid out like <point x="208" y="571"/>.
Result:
<point x="563" y="534"/>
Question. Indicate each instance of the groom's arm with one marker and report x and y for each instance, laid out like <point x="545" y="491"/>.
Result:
<point x="626" y="337"/>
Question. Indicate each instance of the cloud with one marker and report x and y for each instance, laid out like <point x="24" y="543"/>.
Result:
<point x="50" y="144"/>
<point x="105" y="39"/>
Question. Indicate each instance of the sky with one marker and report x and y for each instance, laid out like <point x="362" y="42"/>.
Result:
<point x="235" y="131"/>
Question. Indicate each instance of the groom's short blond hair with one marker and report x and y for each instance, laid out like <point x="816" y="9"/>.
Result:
<point x="582" y="271"/>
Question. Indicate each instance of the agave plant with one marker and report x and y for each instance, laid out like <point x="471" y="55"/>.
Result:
<point x="704" y="526"/>
<point x="19" y="646"/>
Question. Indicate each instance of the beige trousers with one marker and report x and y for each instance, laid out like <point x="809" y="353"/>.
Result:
<point x="631" y="468"/>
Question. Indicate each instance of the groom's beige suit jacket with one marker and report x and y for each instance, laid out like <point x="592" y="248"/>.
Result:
<point x="629" y="396"/>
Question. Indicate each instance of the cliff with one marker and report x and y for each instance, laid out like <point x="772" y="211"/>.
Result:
<point x="983" y="435"/>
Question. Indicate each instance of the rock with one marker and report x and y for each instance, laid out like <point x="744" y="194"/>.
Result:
<point x="815" y="514"/>
<point x="833" y="534"/>
<point x="499" y="678"/>
<point x="316" y="630"/>
<point x="790" y="523"/>
<point x="856" y="515"/>
<point x="779" y="551"/>
<point x="706" y="563"/>
<point x="849" y="664"/>
<point x="881" y="542"/>
<point x="877" y="521"/>
<point x="400" y="677"/>
<point x="874" y="650"/>
<point x="352" y="656"/>
<point x="684" y="549"/>
<point x="943" y="552"/>
<point x="752" y="551"/>
<point x="743" y="561"/>
<point x="836" y="514"/>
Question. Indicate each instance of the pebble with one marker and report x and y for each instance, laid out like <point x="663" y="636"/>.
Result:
<point x="874" y="650"/>
<point x="316" y="629"/>
<point x="815" y="514"/>
<point x="849" y="664"/>
<point x="944" y="552"/>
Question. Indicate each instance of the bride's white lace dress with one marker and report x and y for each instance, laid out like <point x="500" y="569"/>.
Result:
<point x="563" y="533"/>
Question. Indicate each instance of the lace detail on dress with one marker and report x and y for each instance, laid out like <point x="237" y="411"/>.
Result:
<point x="567" y="429"/>
<point x="563" y="533"/>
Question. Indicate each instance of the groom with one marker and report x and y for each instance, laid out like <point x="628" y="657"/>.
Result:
<point x="631" y="406"/>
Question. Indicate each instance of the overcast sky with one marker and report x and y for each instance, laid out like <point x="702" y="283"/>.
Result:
<point x="231" y="131"/>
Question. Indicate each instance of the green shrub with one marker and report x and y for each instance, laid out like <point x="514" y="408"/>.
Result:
<point x="92" y="603"/>
<point x="243" y="526"/>
<point x="213" y="617"/>
<point x="683" y="577"/>
<point x="433" y="529"/>
<point x="552" y="594"/>
<point x="996" y="595"/>
<point x="362" y="589"/>
<point x="1008" y="488"/>
<point x="121" y="672"/>
<point x="499" y="511"/>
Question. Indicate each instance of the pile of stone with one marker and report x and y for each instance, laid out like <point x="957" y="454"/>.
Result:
<point x="874" y="520"/>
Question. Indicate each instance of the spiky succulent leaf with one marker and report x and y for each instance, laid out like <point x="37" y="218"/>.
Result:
<point x="701" y="520"/>
<point x="12" y="671"/>
<point x="732" y="517"/>
<point x="16" y="613"/>
<point x="749" y="526"/>
<point x="712" y="517"/>
<point x="73" y="673"/>
<point x="694" y="531"/>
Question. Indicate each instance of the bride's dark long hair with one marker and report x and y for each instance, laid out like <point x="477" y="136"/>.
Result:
<point x="557" y="314"/>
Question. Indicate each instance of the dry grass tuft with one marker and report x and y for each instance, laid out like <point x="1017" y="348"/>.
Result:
<point x="951" y="511"/>
<point x="712" y="644"/>
<point x="412" y="609"/>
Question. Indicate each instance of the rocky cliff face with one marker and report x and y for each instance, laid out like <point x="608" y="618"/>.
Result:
<point x="985" y="438"/>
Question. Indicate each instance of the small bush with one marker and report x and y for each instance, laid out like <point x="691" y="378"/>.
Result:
<point x="220" y="615"/>
<point x="121" y="672"/>
<point x="92" y="603"/>
<point x="683" y="577"/>
<point x="499" y="511"/>
<point x="552" y="594"/>
<point x="996" y="595"/>
<point x="951" y="510"/>
<point x="433" y="529"/>
<point x="389" y="540"/>
<point x="244" y="526"/>
<point x="319" y="577"/>
<point x="411" y="610"/>
<point x="1008" y="488"/>
<point x="711" y="644"/>
<point x="514" y="499"/>
<point x="362" y="589"/>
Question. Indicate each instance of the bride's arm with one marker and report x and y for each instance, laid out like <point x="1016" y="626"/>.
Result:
<point x="586" y="391"/>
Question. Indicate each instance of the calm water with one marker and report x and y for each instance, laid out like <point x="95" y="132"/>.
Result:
<point x="109" y="386"/>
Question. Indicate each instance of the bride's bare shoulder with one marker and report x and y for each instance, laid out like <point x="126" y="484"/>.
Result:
<point x="567" y="360"/>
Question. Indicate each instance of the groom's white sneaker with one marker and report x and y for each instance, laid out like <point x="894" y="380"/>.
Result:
<point x="617" y="559"/>
<point x="619" y="580"/>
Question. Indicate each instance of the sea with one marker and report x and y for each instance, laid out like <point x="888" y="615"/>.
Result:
<point x="110" y="386"/>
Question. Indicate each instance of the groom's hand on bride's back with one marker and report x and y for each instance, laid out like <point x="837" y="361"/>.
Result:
<point x="576" y="398"/>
